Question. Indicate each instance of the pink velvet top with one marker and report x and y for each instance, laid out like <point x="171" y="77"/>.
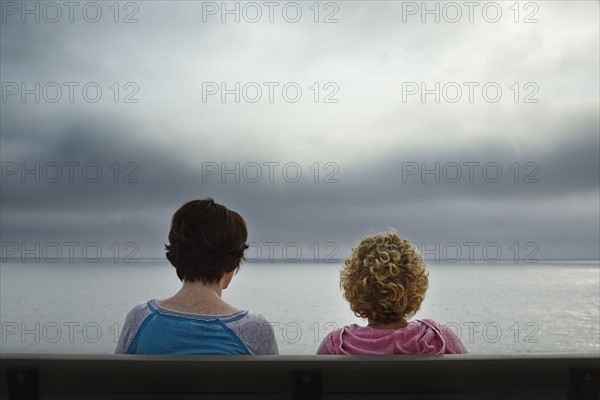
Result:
<point x="418" y="337"/>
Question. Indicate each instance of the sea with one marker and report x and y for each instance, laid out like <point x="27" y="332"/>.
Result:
<point x="78" y="307"/>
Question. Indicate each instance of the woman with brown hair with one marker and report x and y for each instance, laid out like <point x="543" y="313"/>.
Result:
<point x="206" y="246"/>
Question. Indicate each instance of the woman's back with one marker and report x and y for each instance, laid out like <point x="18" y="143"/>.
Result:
<point x="418" y="337"/>
<point x="152" y="329"/>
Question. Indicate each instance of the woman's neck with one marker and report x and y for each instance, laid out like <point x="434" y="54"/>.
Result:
<point x="198" y="297"/>
<point x="199" y="288"/>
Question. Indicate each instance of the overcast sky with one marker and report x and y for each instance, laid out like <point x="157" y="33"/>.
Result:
<point x="360" y="148"/>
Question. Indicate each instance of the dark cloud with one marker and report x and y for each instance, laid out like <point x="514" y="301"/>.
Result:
<point x="372" y="196"/>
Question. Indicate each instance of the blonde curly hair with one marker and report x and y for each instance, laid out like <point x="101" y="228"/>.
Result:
<point x="384" y="279"/>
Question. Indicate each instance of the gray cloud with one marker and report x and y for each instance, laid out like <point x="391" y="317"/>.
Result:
<point x="370" y="136"/>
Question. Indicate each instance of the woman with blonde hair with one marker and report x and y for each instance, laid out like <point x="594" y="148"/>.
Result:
<point x="385" y="280"/>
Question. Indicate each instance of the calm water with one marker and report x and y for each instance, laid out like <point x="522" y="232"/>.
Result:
<point x="502" y="308"/>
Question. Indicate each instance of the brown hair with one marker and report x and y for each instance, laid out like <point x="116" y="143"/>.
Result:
<point x="384" y="279"/>
<point x="206" y="240"/>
